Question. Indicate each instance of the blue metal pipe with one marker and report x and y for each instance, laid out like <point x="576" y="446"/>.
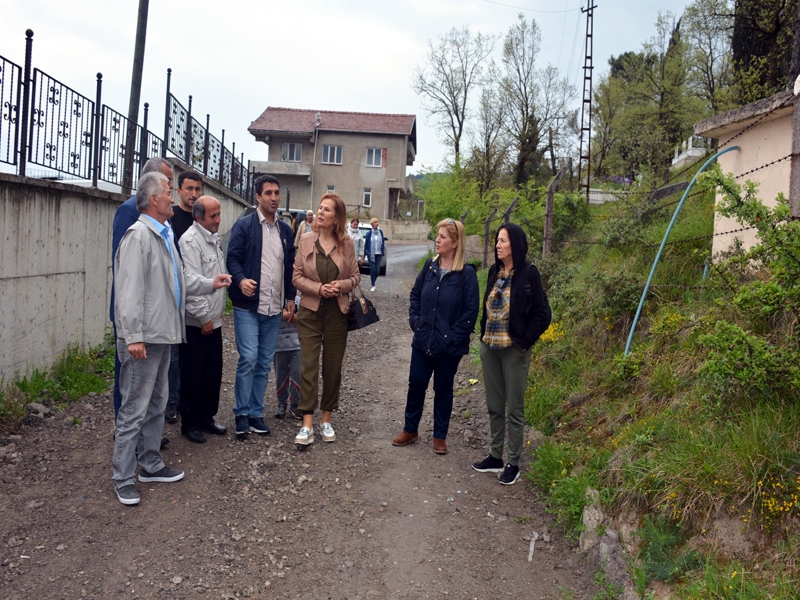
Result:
<point x="664" y="242"/>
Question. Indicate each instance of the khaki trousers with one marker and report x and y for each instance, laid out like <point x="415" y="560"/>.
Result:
<point x="325" y="330"/>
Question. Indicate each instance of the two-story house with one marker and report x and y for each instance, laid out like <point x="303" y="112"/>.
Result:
<point x="360" y="156"/>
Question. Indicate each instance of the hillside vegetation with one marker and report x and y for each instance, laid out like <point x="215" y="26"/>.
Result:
<point x="700" y="421"/>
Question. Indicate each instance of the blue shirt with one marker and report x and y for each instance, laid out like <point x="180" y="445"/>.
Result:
<point x="165" y="233"/>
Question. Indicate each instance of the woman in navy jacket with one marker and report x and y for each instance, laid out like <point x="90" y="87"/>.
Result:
<point x="443" y="311"/>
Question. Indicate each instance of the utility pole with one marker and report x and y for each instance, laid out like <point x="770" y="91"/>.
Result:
<point x="585" y="151"/>
<point x="794" y="82"/>
<point x="136" y="92"/>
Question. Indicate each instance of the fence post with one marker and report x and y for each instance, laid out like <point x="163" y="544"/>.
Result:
<point x="486" y="236"/>
<point x="166" y="116"/>
<point x="26" y="103"/>
<point x="222" y="159"/>
<point x="205" y="146"/>
<point x="548" y="213"/>
<point x="98" y="129"/>
<point x="187" y="151"/>
<point x="233" y="161"/>
<point x="509" y="210"/>
<point x="464" y="216"/>
<point x="143" y="149"/>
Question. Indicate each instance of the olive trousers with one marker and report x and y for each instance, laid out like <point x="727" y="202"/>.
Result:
<point x="505" y="377"/>
<point x="322" y="330"/>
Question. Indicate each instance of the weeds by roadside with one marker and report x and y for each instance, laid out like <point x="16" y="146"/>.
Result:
<point x="75" y="374"/>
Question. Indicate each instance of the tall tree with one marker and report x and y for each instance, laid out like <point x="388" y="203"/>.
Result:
<point x="708" y="25"/>
<point x="536" y="100"/>
<point x="453" y="69"/>
<point x="489" y="140"/>
<point x="763" y="35"/>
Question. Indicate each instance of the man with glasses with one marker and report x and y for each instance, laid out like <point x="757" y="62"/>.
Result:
<point x="260" y="261"/>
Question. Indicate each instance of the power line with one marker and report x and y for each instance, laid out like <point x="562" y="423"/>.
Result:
<point x="533" y="10"/>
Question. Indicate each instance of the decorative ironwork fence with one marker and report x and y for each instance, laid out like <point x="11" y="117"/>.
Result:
<point x="10" y="91"/>
<point x="61" y="130"/>
<point x="45" y="122"/>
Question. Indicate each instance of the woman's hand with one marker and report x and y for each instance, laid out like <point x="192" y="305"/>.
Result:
<point x="329" y="290"/>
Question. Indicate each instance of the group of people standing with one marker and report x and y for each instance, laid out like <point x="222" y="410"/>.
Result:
<point x="444" y="306"/>
<point x="290" y="295"/>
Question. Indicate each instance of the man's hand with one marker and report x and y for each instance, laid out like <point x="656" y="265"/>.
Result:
<point x="248" y="287"/>
<point x="222" y="280"/>
<point x="207" y="328"/>
<point x="292" y="310"/>
<point x="137" y="350"/>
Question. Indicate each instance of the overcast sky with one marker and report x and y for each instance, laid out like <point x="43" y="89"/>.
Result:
<point x="237" y="57"/>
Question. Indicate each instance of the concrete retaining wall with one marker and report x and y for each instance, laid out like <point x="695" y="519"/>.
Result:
<point x="55" y="266"/>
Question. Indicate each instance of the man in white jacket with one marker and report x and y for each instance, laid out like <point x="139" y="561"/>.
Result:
<point x="150" y="289"/>
<point x="201" y="355"/>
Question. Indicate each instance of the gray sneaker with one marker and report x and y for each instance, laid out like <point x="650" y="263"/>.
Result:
<point x="163" y="475"/>
<point x="280" y="412"/>
<point x="295" y="414"/>
<point x="128" y="495"/>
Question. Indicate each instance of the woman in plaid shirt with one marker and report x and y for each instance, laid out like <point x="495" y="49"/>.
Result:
<point x="515" y="314"/>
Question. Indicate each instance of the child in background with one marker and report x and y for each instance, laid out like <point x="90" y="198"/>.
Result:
<point x="287" y="366"/>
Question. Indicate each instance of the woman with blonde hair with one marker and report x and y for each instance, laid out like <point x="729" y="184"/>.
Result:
<point x="325" y="272"/>
<point x="442" y="315"/>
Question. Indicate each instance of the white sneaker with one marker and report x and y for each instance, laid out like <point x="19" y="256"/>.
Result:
<point x="305" y="437"/>
<point x="372" y="289"/>
<point x="328" y="435"/>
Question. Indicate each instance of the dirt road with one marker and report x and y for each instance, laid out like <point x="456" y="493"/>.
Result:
<point x="358" y="518"/>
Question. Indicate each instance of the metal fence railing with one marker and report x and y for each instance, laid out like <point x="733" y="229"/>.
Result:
<point x="10" y="92"/>
<point x="46" y="123"/>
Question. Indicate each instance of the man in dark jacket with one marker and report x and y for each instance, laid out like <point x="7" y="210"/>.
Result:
<point x="260" y="261"/>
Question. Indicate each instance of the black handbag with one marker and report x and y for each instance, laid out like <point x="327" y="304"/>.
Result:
<point x="362" y="312"/>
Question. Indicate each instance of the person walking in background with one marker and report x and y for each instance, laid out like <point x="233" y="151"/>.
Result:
<point x="374" y="248"/>
<point x="515" y="314"/>
<point x="287" y="366"/>
<point x="358" y="239"/>
<point x="151" y="287"/>
<point x="325" y="272"/>
<point x="304" y="227"/>
<point x="260" y="259"/>
<point x="201" y="354"/>
<point x="442" y="315"/>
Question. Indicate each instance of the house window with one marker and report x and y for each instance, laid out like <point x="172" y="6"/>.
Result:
<point x="331" y="189"/>
<point x="375" y="157"/>
<point x="367" y="197"/>
<point x="332" y="155"/>
<point x="291" y="152"/>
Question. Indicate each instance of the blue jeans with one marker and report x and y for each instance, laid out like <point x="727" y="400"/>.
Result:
<point x="443" y="369"/>
<point x="256" y="338"/>
<point x="374" y="268"/>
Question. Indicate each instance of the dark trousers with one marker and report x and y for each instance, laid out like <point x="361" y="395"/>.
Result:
<point x="443" y="369"/>
<point x="201" y="377"/>
<point x="322" y="330"/>
<point x="117" y="366"/>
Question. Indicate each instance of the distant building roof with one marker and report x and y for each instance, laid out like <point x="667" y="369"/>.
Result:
<point x="299" y="121"/>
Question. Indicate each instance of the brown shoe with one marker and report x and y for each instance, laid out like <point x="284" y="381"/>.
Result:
<point x="439" y="446"/>
<point x="404" y="438"/>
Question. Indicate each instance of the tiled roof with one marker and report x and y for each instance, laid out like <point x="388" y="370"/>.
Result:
<point x="293" y="120"/>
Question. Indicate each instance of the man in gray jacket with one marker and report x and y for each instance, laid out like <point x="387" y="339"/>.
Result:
<point x="150" y="288"/>
<point x="201" y="355"/>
